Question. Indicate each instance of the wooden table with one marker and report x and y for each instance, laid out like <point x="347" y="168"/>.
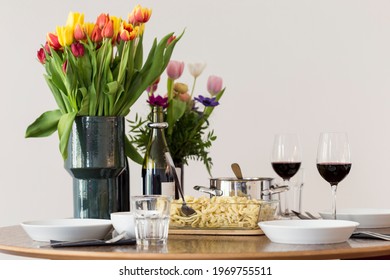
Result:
<point x="13" y="240"/>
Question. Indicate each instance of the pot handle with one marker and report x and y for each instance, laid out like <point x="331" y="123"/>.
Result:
<point x="278" y="189"/>
<point x="210" y="191"/>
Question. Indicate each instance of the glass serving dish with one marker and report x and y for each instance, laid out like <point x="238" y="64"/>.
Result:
<point x="222" y="212"/>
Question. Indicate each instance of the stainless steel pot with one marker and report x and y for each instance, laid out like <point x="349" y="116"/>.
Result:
<point x="252" y="187"/>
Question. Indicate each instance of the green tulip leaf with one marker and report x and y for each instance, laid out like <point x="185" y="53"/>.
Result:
<point x="64" y="128"/>
<point x="44" y="125"/>
<point x="132" y="152"/>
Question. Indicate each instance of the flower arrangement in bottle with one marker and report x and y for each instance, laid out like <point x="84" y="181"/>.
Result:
<point x="188" y="134"/>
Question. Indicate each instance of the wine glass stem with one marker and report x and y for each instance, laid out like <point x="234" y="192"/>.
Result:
<point x="286" y="206"/>
<point x="334" y="189"/>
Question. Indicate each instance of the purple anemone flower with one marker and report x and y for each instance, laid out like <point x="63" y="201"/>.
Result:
<point x="158" y="101"/>
<point x="206" y="101"/>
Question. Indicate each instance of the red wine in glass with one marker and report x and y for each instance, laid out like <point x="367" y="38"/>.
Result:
<point x="286" y="160"/>
<point x="333" y="173"/>
<point x="286" y="170"/>
<point x="333" y="161"/>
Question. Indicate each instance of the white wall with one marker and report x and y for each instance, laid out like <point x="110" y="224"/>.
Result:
<point x="297" y="66"/>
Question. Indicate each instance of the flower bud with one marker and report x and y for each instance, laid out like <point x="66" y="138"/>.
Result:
<point x="77" y="49"/>
<point x="175" y="69"/>
<point x="41" y="55"/>
<point x="180" y="88"/>
<point x="185" y="97"/>
<point x="79" y="33"/>
<point x="196" y="68"/>
<point x="214" y="85"/>
<point x="65" y="66"/>
<point x="171" y="39"/>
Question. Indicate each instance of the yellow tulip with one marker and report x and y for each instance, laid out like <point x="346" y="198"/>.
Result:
<point x="74" y="19"/>
<point x="65" y="35"/>
<point x="88" y="28"/>
<point x="116" y="24"/>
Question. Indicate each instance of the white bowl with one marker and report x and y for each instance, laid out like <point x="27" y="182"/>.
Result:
<point x="308" y="231"/>
<point x="124" y="222"/>
<point x="366" y="217"/>
<point x="67" y="229"/>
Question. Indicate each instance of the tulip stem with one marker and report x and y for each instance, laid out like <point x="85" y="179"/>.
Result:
<point x="193" y="87"/>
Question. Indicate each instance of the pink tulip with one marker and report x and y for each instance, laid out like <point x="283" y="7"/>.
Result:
<point x="79" y="33"/>
<point x="175" y="69"/>
<point x="214" y="85"/>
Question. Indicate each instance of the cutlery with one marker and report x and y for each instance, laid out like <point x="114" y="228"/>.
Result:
<point x="185" y="209"/>
<point x="90" y="242"/>
<point x="300" y="215"/>
<point x="311" y="216"/>
<point x="360" y="234"/>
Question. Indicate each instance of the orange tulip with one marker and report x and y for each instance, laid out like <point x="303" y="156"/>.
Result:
<point x="96" y="34"/>
<point x="128" y="32"/>
<point x="102" y="20"/>
<point x="140" y="15"/>
<point x="108" y="30"/>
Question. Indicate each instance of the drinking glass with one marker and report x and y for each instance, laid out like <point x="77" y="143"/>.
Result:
<point x="286" y="160"/>
<point x="333" y="160"/>
<point x="152" y="213"/>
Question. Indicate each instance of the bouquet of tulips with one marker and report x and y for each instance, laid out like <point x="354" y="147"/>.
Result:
<point x="188" y="135"/>
<point x="97" y="69"/>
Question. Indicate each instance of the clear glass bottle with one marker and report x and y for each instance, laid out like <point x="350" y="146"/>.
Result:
<point x="157" y="177"/>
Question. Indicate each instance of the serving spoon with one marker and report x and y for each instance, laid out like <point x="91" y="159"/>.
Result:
<point x="185" y="209"/>
<point x="237" y="170"/>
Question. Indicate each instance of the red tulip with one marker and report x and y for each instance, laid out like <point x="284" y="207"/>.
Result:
<point x="53" y="42"/>
<point x="171" y="39"/>
<point x="47" y="48"/>
<point x="77" y="49"/>
<point x="65" y="66"/>
<point x="175" y="69"/>
<point x="214" y="85"/>
<point x="41" y="55"/>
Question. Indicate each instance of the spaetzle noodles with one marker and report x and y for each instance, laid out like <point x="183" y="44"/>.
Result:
<point x="222" y="212"/>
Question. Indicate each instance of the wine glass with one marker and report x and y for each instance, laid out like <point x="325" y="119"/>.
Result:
<point x="286" y="160"/>
<point x="333" y="161"/>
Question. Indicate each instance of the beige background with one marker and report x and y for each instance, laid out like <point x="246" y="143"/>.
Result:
<point x="288" y="66"/>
